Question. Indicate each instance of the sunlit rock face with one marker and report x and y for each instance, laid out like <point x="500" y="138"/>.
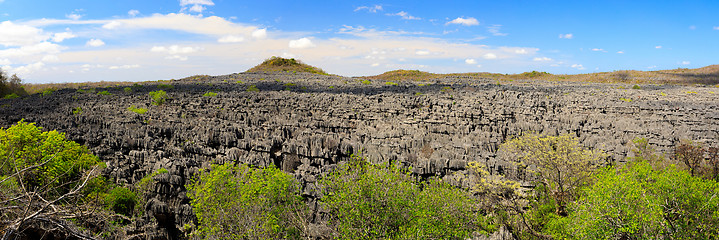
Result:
<point x="305" y="124"/>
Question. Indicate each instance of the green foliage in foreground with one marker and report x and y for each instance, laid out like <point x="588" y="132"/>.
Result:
<point x="641" y="202"/>
<point x="158" y="97"/>
<point x="239" y="202"/>
<point x="369" y="201"/>
<point x="59" y="161"/>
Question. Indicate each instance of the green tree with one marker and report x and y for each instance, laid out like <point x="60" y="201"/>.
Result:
<point x="559" y="162"/>
<point x="43" y="177"/>
<point x="638" y="201"/>
<point x="368" y="201"/>
<point x="239" y="202"/>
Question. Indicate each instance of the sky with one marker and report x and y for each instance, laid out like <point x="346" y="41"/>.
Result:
<point x="49" y="41"/>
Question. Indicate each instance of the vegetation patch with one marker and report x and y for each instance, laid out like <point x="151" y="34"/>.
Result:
<point x="210" y="94"/>
<point x="137" y="110"/>
<point x="158" y="97"/>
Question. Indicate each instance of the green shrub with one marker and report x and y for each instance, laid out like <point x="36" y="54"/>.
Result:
<point x="158" y="97"/>
<point x="239" y="202"/>
<point x="137" y="110"/>
<point x="48" y="91"/>
<point x="127" y="90"/>
<point x="391" y="83"/>
<point x="253" y="88"/>
<point x="121" y="200"/>
<point x="639" y="201"/>
<point x="106" y="93"/>
<point x="636" y="87"/>
<point x="59" y="162"/>
<point x="626" y="99"/>
<point x="77" y="111"/>
<point x="368" y="201"/>
<point x="11" y="96"/>
<point x="209" y="94"/>
<point x="366" y="82"/>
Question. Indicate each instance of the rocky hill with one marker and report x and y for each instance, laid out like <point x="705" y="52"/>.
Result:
<point x="306" y="123"/>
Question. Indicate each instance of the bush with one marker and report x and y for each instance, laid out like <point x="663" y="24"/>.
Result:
<point x="158" y="97"/>
<point x="106" y="93"/>
<point x="127" y="90"/>
<point x="369" y="201"/>
<point x="239" y="202"/>
<point x="137" y="110"/>
<point x="640" y="202"/>
<point x="11" y="86"/>
<point x="77" y="111"/>
<point x="209" y="94"/>
<point x="121" y="200"/>
<point x="562" y="165"/>
<point x="253" y="88"/>
<point x="60" y="161"/>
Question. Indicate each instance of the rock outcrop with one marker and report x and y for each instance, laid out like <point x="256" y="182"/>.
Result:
<point x="305" y="124"/>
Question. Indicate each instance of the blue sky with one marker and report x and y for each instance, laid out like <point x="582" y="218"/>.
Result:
<point x="129" y="40"/>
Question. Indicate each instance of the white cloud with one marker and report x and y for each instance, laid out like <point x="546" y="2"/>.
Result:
<point x="494" y="29"/>
<point x="59" y="37"/>
<point x="197" y="8"/>
<point x="301" y="43"/>
<point x="259" y="33"/>
<point x="685" y="62"/>
<point x="521" y="51"/>
<point x="133" y="12"/>
<point x="490" y="56"/>
<point x="372" y="9"/>
<point x="566" y="36"/>
<point x="30" y="50"/>
<point x="112" y="25"/>
<point x="5" y="61"/>
<point x="542" y="59"/>
<point x="73" y="16"/>
<point x="177" y="57"/>
<point x="94" y="43"/>
<point x="375" y="64"/>
<point x="470" y="61"/>
<point x="231" y="39"/>
<point x="652" y="67"/>
<point x="620" y="52"/>
<point x="28" y="69"/>
<point x="658" y="47"/>
<point x="404" y="15"/>
<point x="598" y="50"/>
<point x="464" y="21"/>
<point x="422" y="52"/>
<point x="578" y="66"/>
<point x="716" y="28"/>
<point x="124" y="67"/>
<point x="50" y="58"/>
<point x="20" y="35"/>
<point x="175" y="49"/>
<point x="197" y="5"/>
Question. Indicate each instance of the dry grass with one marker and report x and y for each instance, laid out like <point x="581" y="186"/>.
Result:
<point x="706" y="75"/>
<point x="275" y="64"/>
<point x="33" y="88"/>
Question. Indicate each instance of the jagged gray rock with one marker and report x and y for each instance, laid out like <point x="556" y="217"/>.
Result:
<point x="307" y="127"/>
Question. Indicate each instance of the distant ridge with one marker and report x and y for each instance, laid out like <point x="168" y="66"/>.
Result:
<point x="276" y="64"/>
<point x="703" y="75"/>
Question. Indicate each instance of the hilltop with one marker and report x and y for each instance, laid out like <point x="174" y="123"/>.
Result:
<point x="275" y="64"/>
